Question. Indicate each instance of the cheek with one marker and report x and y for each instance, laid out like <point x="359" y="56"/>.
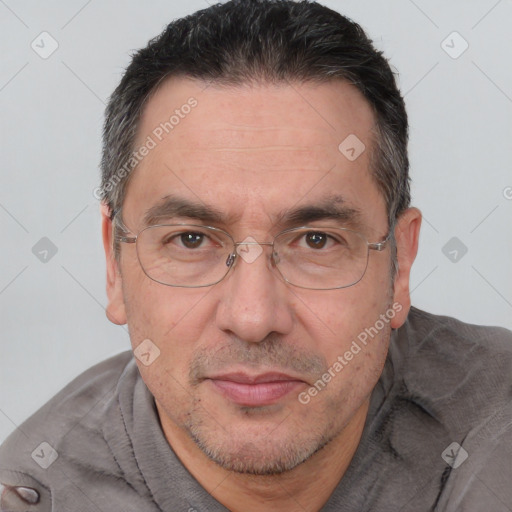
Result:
<point x="170" y="318"/>
<point x="350" y="328"/>
<point x="355" y="346"/>
<point x="334" y="318"/>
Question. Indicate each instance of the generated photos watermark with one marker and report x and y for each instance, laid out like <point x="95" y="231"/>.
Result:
<point x="151" y="142"/>
<point x="146" y="352"/>
<point x="356" y="347"/>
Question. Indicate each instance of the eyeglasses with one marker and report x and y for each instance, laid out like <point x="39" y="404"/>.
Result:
<point x="194" y="256"/>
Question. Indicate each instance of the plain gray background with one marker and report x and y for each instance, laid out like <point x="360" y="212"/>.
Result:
<point x="53" y="323"/>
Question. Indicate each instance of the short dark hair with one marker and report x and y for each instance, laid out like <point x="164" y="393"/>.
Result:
<point x="269" y="41"/>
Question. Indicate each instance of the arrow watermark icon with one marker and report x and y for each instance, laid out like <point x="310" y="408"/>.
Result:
<point x="454" y="45"/>
<point x="147" y="352"/>
<point x="454" y="455"/>
<point x="44" y="250"/>
<point x="454" y="249"/>
<point x="249" y="250"/>
<point x="352" y="147"/>
<point x="44" y="45"/>
<point x="45" y="455"/>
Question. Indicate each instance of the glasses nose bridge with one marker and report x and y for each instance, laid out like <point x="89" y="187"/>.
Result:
<point x="234" y="254"/>
<point x="253" y="243"/>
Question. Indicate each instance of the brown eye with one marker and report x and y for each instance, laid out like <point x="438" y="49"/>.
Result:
<point x="191" y="240"/>
<point x="316" y="240"/>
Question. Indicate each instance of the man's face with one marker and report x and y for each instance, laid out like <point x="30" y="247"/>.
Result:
<point x="235" y="357"/>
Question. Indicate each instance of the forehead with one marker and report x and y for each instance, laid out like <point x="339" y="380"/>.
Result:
<point x="327" y="112"/>
<point x="254" y="149"/>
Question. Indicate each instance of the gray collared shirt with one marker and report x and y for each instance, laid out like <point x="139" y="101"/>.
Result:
<point x="438" y="436"/>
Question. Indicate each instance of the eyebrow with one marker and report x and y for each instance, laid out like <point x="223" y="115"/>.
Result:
<point x="173" y="206"/>
<point x="332" y="208"/>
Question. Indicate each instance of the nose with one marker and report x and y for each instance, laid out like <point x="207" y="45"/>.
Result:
<point x="254" y="301"/>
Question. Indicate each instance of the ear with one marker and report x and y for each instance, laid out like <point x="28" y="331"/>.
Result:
<point x="407" y="232"/>
<point x="115" y="309"/>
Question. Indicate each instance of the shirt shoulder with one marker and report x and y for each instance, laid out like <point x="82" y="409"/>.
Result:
<point x="63" y="444"/>
<point x="426" y="325"/>
<point x="440" y="409"/>
<point x="72" y="403"/>
<point x="456" y="368"/>
<point x="460" y="374"/>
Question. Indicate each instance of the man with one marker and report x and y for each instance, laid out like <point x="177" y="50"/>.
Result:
<point x="259" y="242"/>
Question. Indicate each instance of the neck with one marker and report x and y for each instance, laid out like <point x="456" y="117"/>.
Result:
<point x="293" y="491"/>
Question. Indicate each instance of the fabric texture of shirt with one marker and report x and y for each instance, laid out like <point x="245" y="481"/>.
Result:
<point x="445" y="385"/>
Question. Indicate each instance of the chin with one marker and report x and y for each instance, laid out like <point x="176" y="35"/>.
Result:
<point x="258" y="452"/>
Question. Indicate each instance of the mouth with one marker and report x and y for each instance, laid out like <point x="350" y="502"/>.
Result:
<point x="255" y="390"/>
